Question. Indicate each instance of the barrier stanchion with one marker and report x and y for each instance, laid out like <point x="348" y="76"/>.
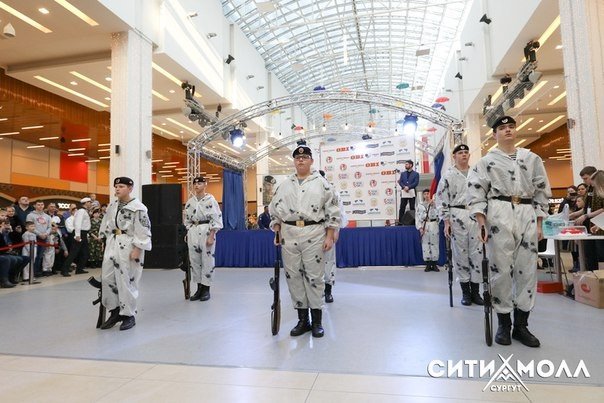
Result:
<point x="32" y="259"/>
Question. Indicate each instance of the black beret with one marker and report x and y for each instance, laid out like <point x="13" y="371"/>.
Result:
<point x="302" y="150"/>
<point x="123" y="180"/>
<point x="504" y="120"/>
<point x="199" y="179"/>
<point x="461" y="147"/>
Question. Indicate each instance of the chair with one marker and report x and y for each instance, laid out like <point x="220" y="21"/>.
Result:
<point x="549" y="253"/>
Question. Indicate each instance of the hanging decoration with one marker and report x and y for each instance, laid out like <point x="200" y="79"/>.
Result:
<point x="402" y="86"/>
<point x="442" y="99"/>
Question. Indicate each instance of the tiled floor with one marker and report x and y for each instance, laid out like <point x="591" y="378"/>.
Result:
<point x="29" y="379"/>
<point x="384" y="327"/>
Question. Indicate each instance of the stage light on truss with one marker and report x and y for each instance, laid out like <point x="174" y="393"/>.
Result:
<point x="237" y="137"/>
<point x="324" y="128"/>
<point x="410" y="125"/>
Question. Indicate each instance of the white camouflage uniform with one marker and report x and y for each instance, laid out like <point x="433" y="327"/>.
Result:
<point x="120" y="274"/>
<point x="466" y="247"/>
<point x="430" y="242"/>
<point x="512" y="228"/>
<point x="302" y="247"/>
<point x="330" y="255"/>
<point x="200" y="256"/>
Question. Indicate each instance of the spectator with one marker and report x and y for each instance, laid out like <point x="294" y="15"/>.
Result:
<point x="22" y="209"/>
<point x="569" y="200"/>
<point x="94" y="203"/>
<point x="41" y="222"/>
<point x="16" y="228"/>
<point x="10" y="263"/>
<point x="582" y="190"/>
<point x="264" y="220"/>
<point x="94" y="240"/>
<point x="594" y="205"/>
<point x="29" y="236"/>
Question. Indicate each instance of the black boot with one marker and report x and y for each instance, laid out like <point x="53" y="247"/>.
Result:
<point x="503" y="331"/>
<point x="466" y="295"/>
<point x="328" y="296"/>
<point x="205" y="293"/>
<point x="114" y="318"/>
<point x="476" y="298"/>
<point x="317" y="329"/>
<point x="6" y="284"/>
<point x="128" y="323"/>
<point x="428" y="266"/>
<point x="195" y="297"/>
<point x="435" y="266"/>
<point x="303" y="325"/>
<point x="521" y="332"/>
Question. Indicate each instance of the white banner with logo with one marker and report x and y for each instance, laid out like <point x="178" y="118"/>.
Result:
<point x="365" y="174"/>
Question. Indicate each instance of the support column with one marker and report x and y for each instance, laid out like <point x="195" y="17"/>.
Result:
<point x="131" y="111"/>
<point x="472" y="136"/>
<point x="583" y="41"/>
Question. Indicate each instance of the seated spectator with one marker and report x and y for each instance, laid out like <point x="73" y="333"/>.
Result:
<point x="11" y="264"/>
<point x="569" y="200"/>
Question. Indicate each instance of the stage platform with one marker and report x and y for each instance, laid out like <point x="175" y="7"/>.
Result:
<point x="357" y="247"/>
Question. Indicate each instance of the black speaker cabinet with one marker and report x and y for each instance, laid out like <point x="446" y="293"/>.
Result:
<point x="409" y="217"/>
<point x="164" y="202"/>
<point x="168" y="245"/>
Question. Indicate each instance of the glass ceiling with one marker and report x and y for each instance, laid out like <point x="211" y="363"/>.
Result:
<point x="368" y="45"/>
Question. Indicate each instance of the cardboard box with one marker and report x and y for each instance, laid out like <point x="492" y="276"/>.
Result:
<point x="589" y="288"/>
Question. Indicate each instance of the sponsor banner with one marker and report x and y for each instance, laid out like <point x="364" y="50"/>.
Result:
<point x="365" y="174"/>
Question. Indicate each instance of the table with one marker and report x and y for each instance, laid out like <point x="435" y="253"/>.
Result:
<point x="579" y="239"/>
<point x="377" y="246"/>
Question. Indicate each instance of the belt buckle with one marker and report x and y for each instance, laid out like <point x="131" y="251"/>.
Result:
<point x="300" y="223"/>
<point x="118" y="231"/>
<point x="516" y="200"/>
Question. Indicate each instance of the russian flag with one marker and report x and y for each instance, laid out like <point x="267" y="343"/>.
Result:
<point x="441" y="164"/>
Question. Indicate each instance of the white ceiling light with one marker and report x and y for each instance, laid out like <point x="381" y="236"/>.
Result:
<point x="3" y="119"/>
<point x="38" y="146"/>
<point x="169" y="76"/>
<point x="77" y="12"/>
<point x="102" y="150"/>
<point x="72" y="92"/>
<point x="31" y="127"/>
<point x="531" y="93"/>
<point x="76" y="149"/>
<point x="104" y="158"/>
<point x="558" y="98"/>
<point x="79" y="140"/>
<point x="49" y="138"/>
<point x="103" y="145"/>
<point x="75" y="154"/>
<point x="90" y="81"/>
<point x="177" y="123"/>
<point x="162" y="130"/>
<point x="44" y="10"/>
<point x="24" y="18"/>
<point x="160" y="96"/>
<point x="8" y="134"/>
<point x="90" y="161"/>
<point x="550" y="123"/>
<point x="172" y="163"/>
<point x="526" y="122"/>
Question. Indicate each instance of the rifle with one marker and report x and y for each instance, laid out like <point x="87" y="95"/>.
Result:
<point x="486" y="294"/>
<point x="450" y="269"/>
<point x="274" y="284"/>
<point x="186" y="267"/>
<point x="98" y="285"/>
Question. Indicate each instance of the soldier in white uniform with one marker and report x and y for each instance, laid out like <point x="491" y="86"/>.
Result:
<point x="330" y="255"/>
<point x="426" y="221"/>
<point x="304" y="210"/>
<point x="202" y="219"/>
<point x="466" y="248"/>
<point x="127" y="230"/>
<point x="508" y="193"/>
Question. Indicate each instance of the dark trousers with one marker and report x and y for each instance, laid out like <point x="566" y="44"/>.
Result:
<point x="403" y="207"/>
<point x="39" y="256"/>
<point x="594" y="253"/>
<point x="78" y="253"/>
<point x="14" y="265"/>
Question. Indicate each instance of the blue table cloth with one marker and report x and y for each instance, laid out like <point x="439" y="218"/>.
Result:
<point x="377" y="246"/>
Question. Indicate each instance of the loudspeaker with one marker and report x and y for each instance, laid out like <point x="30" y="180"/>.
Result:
<point x="164" y="202"/>
<point x="164" y="257"/>
<point x="168" y="247"/>
<point x="409" y="217"/>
